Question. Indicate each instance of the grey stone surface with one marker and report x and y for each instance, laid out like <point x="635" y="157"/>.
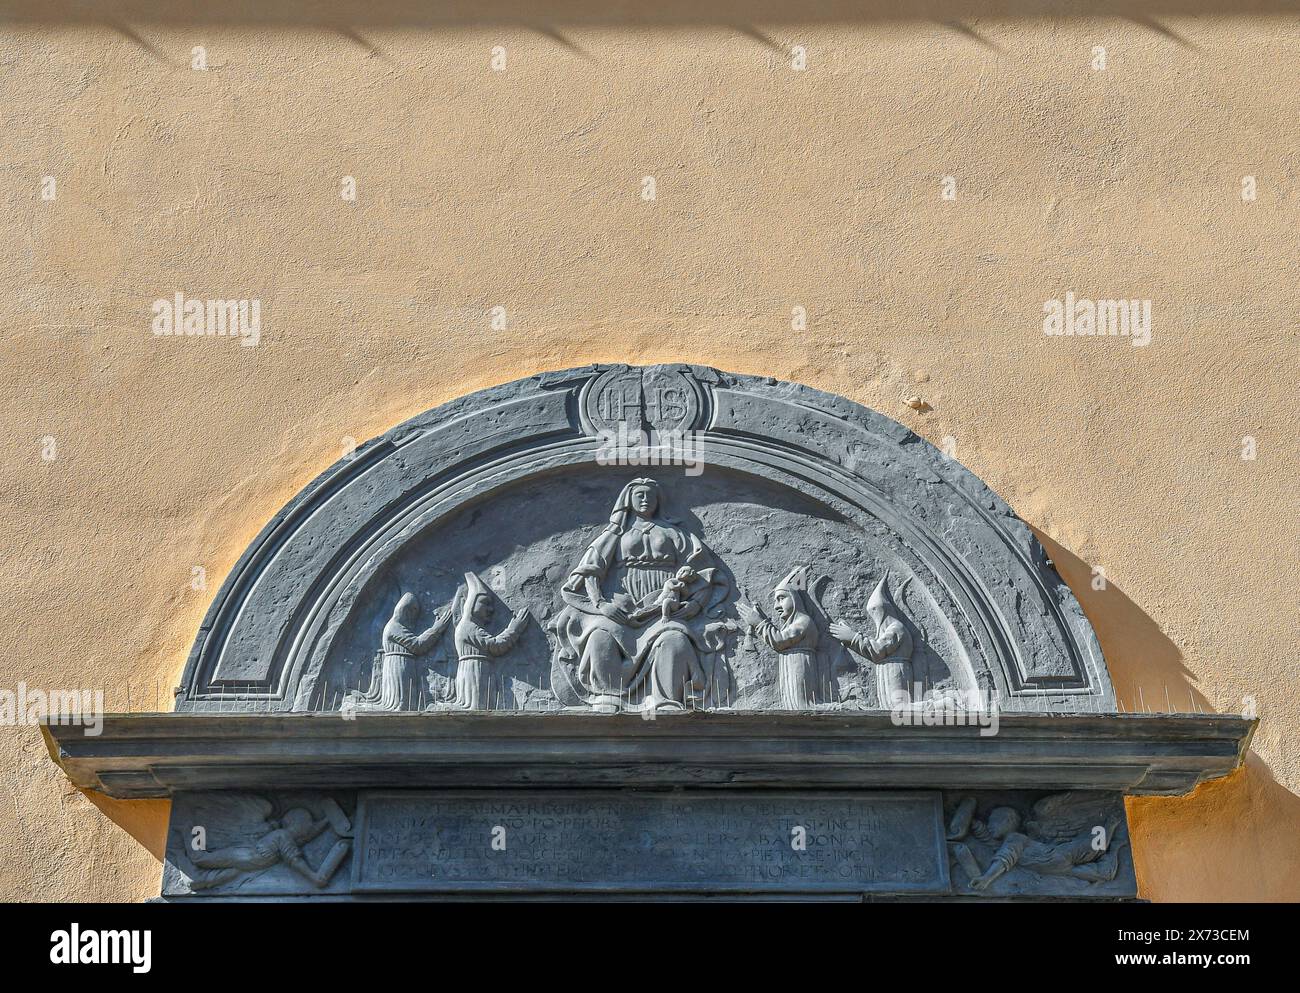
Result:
<point x="268" y="843"/>
<point x="160" y="755"/>
<point x="703" y="842"/>
<point x="902" y="843"/>
<point x="508" y="484"/>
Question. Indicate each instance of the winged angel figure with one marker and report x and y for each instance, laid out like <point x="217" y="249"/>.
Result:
<point x="255" y="841"/>
<point x="1069" y="834"/>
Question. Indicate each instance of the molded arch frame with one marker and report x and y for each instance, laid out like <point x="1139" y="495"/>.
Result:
<point x="269" y="629"/>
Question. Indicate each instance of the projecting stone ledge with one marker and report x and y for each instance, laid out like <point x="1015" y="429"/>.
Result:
<point x="157" y="755"/>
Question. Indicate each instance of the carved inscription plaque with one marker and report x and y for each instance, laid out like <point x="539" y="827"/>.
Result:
<point x="744" y="843"/>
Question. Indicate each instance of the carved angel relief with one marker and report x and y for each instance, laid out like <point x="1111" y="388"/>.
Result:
<point x="253" y="841"/>
<point x="1071" y="834"/>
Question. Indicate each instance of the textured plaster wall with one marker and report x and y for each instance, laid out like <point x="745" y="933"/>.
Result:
<point x="775" y="189"/>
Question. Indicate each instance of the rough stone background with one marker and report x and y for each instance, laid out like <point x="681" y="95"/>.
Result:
<point x="775" y="189"/>
<point x="525" y="542"/>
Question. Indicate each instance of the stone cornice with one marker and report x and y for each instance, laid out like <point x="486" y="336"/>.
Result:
<point x="153" y="755"/>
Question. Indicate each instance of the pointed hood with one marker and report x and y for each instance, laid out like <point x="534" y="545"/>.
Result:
<point x="796" y="584"/>
<point x="407" y="609"/>
<point x="796" y="580"/>
<point x="473" y="587"/>
<point x="880" y="598"/>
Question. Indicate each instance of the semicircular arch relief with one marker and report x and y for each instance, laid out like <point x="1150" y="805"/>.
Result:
<point x="802" y="552"/>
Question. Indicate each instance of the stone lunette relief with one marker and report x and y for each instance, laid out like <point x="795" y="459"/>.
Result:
<point x="985" y="610"/>
<point x="647" y="625"/>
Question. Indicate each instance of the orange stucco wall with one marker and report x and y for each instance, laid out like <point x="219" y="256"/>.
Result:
<point x="775" y="189"/>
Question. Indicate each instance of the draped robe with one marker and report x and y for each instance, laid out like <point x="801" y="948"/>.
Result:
<point x="635" y="561"/>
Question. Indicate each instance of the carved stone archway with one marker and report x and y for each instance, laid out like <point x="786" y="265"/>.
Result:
<point x="607" y="612"/>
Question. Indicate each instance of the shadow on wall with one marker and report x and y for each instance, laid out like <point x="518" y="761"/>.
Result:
<point x="143" y="820"/>
<point x="596" y="13"/>
<point x="552" y="18"/>
<point x="1145" y="666"/>
<point x="1247" y="819"/>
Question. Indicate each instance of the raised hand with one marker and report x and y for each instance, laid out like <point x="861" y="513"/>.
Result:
<point x="750" y="615"/>
<point x="842" y="632"/>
